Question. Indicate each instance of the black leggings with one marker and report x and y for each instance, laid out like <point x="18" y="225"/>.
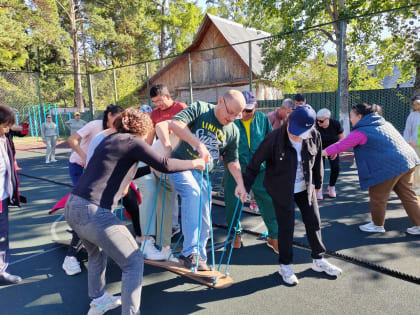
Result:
<point x="335" y="169"/>
<point x="131" y="204"/>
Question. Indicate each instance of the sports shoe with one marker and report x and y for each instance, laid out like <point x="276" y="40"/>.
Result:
<point x="54" y="160"/>
<point x="254" y="207"/>
<point x="47" y="162"/>
<point x="331" y="192"/>
<point x="7" y="279"/>
<point x="322" y="265"/>
<point x="166" y="251"/>
<point x="103" y="304"/>
<point x="150" y="251"/>
<point x="273" y="243"/>
<point x="414" y="230"/>
<point x="319" y="195"/>
<point x="287" y="274"/>
<point x="371" y="227"/>
<point x="71" y="266"/>
<point x="191" y="261"/>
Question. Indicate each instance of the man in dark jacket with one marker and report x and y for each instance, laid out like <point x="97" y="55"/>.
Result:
<point x="294" y="170"/>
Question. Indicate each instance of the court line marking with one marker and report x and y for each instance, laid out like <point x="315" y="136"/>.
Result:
<point x="35" y="255"/>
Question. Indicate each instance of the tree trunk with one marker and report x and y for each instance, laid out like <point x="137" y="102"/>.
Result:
<point x="416" y="90"/>
<point x="78" y="95"/>
<point x="162" y="44"/>
<point x="344" y="86"/>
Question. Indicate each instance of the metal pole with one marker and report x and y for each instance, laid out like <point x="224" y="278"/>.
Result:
<point x="115" y="87"/>
<point x="38" y="85"/>
<point x="45" y="115"/>
<point x="35" y="122"/>
<point x="39" y="115"/>
<point x="56" y="120"/>
<point x="49" y="109"/>
<point x="190" y="79"/>
<point x="89" y="82"/>
<point x="30" y="122"/>
<point x="148" y="84"/>
<point x="250" y="65"/>
<point x="340" y="62"/>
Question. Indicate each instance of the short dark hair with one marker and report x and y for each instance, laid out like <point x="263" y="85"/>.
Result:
<point x="299" y="97"/>
<point x="159" y="90"/>
<point x="415" y="98"/>
<point x="6" y="115"/>
<point x="113" y="109"/>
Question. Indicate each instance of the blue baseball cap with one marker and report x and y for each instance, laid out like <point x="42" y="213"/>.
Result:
<point x="301" y="119"/>
<point x="249" y="99"/>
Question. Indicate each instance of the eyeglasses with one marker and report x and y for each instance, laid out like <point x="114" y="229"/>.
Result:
<point x="236" y="116"/>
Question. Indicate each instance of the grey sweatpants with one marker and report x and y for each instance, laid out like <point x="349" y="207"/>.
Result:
<point x="104" y="235"/>
<point x="50" y="142"/>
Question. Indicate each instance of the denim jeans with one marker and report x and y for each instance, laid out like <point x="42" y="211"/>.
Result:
<point x="148" y="186"/>
<point x="4" y="236"/>
<point x="104" y="235"/>
<point x="187" y="184"/>
<point x="75" y="171"/>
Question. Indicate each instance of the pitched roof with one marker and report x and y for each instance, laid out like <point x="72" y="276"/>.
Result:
<point x="233" y="33"/>
<point x="236" y="33"/>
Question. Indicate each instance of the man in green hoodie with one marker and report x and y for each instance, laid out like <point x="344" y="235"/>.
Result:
<point x="253" y="127"/>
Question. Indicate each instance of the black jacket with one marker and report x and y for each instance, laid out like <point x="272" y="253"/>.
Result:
<point x="281" y="165"/>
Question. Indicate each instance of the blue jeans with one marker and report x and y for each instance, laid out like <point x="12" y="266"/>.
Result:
<point x="4" y="236"/>
<point x="103" y="234"/>
<point x="75" y="171"/>
<point x="187" y="185"/>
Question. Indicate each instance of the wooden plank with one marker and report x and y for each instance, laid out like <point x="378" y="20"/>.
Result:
<point x="204" y="277"/>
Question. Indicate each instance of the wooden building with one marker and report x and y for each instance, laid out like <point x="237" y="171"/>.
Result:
<point x="214" y="71"/>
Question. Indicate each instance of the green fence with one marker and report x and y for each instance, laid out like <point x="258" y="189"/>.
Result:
<point x="395" y="102"/>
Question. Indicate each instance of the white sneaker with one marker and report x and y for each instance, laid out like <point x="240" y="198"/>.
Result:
<point x="322" y="265"/>
<point x="287" y="274"/>
<point x="150" y="252"/>
<point x="371" y="227"/>
<point x="319" y="195"/>
<point x="166" y="251"/>
<point x="103" y="304"/>
<point x="414" y="230"/>
<point x="54" y="160"/>
<point x="71" y="266"/>
<point x="331" y="192"/>
<point x="47" y="161"/>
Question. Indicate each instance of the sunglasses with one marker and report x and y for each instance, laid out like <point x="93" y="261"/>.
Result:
<point x="321" y="121"/>
<point x="249" y="111"/>
<point x="49" y="117"/>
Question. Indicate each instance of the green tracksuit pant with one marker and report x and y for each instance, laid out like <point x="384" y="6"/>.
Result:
<point x="263" y="200"/>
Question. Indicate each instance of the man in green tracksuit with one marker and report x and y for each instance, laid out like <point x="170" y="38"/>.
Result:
<point x="253" y="127"/>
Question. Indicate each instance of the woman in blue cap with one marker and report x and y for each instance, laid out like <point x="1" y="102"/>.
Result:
<point x="294" y="170"/>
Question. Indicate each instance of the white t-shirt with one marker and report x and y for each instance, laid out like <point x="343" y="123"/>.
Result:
<point x="3" y="173"/>
<point x="300" y="177"/>
<point x="86" y="133"/>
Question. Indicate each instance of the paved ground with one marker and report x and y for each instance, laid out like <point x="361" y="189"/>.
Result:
<point x="257" y="288"/>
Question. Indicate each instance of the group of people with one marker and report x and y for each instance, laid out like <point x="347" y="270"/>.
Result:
<point x="279" y="156"/>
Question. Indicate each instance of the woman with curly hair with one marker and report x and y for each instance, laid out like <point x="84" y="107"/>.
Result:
<point x="111" y="168"/>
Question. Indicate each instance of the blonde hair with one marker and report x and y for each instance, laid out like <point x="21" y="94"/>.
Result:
<point x="133" y="120"/>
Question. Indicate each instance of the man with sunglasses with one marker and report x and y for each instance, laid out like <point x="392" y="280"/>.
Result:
<point x="207" y="131"/>
<point x="253" y="127"/>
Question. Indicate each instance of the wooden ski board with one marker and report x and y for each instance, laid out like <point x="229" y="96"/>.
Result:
<point x="204" y="277"/>
<point x="219" y="201"/>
